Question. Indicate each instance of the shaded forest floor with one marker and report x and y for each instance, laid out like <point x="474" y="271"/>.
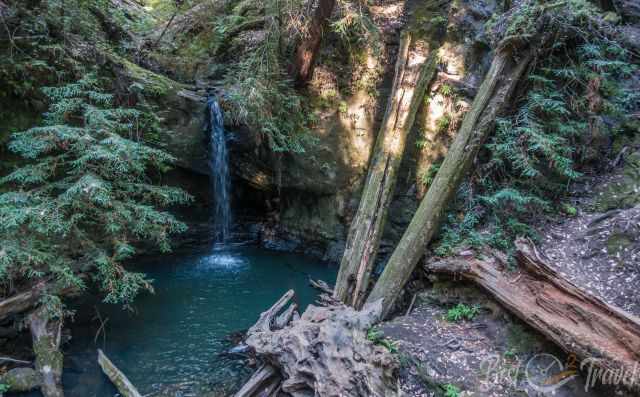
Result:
<point x="596" y="247"/>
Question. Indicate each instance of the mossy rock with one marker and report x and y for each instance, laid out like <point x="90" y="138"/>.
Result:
<point x="180" y="111"/>
<point x="624" y="191"/>
<point x="618" y="242"/>
<point x="149" y="83"/>
<point x="21" y="379"/>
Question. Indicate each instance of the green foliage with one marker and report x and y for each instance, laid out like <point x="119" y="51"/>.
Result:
<point x="377" y="337"/>
<point x="355" y="27"/>
<point x="431" y="173"/>
<point x="443" y="123"/>
<point x="447" y="90"/>
<point x="538" y="151"/>
<point x="85" y="196"/>
<point x="451" y="390"/>
<point x="260" y="94"/>
<point x="462" y="312"/>
<point x="570" y="210"/>
<point x="4" y="388"/>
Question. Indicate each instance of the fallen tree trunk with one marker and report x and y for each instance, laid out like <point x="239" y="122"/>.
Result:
<point x="324" y="352"/>
<point x="491" y="100"/>
<point x="415" y="68"/>
<point x="28" y="300"/>
<point x="261" y="383"/>
<point x="46" y="333"/>
<point x="119" y="380"/>
<point x="575" y="320"/>
<point x="19" y="303"/>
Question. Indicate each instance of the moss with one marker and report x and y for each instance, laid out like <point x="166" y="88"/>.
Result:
<point x="19" y="380"/>
<point x="428" y="21"/>
<point x="46" y="355"/>
<point x="148" y="82"/>
<point x="522" y="341"/>
<point x="617" y="243"/>
<point x="624" y="191"/>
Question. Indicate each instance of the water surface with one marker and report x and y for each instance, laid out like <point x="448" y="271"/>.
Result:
<point x="172" y="343"/>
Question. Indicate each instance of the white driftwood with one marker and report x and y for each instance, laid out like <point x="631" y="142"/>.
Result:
<point x="261" y="383"/>
<point x="120" y="381"/>
<point x="268" y="317"/>
<point x="325" y="352"/>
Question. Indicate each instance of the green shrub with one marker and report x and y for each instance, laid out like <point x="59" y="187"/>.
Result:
<point x="451" y="390"/>
<point x="85" y="196"/>
<point x="462" y="312"/>
<point x="377" y="337"/>
<point x="537" y="152"/>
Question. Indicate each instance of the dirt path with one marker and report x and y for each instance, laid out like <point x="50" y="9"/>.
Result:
<point x="493" y="354"/>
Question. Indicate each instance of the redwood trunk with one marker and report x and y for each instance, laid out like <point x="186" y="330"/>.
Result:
<point x="576" y="321"/>
<point x="307" y="51"/>
<point x="493" y="96"/>
<point x="414" y="69"/>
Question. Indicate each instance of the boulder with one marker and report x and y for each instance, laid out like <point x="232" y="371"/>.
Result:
<point x="622" y="191"/>
<point x="21" y="379"/>
<point x="180" y="110"/>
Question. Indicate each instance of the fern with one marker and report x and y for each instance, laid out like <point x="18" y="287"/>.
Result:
<point x="84" y="199"/>
<point x="536" y="152"/>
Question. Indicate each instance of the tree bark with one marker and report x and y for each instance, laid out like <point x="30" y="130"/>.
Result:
<point x="576" y="321"/>
<point x="260" y="383"/>
<point x="492" y="98"/>
<point x="414" y="69"/>
<point x="46" y="334"/>
<point x="324" y="352"/>
<point x="119" y="379"/>
<point x="307" y="51"/>
<point x="27" y="300"/>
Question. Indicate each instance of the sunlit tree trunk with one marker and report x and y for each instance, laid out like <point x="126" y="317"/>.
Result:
<point x="307" y="51"/>
<point x="414" y="69"/>
<point x="493" y="96"/>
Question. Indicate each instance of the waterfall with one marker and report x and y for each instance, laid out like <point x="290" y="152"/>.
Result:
<point x="219" y="164"/>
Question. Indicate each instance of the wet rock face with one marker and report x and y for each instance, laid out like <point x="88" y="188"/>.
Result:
<point x="317" y="191"/>
<point x="21" y="379"/>
<point x="182" y="133"/>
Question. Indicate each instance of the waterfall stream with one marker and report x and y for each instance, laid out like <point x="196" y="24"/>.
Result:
<point x="219" y="164"/>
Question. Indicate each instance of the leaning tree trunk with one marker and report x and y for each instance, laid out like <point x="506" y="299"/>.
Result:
<point x="414" y="69"/>
<point x="307" y="51"/>
<point x="580" y="323"/>
<point x="493" y="96"/>
<point x="46" y="334"/>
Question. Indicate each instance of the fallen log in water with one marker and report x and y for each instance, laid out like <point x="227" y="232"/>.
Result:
<point x="324" y="352"/>
<point x="575" y="320"/>
<point x="261" y="383"/>
<point x="120" y="381"/>
<point x="46" y="333"/>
